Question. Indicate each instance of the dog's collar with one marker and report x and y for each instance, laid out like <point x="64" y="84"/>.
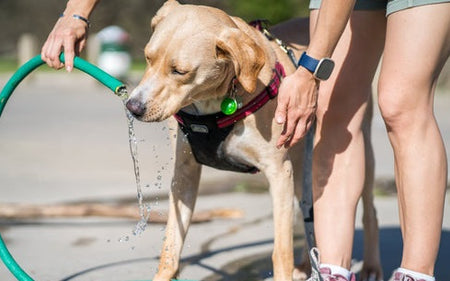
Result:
<point x="269" y="92"/>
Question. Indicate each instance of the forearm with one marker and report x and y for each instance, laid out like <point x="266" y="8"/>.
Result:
<point x="80" y="7"/>
<point x="332" y="19"/>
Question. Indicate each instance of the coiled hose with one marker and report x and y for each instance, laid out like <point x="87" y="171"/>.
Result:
<point x="109" y="81"/>
<point x="112" y="83"/>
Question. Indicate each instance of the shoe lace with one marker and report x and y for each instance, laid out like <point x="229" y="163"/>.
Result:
<point x="325" y="274"/>
<point x="314" y="256"/>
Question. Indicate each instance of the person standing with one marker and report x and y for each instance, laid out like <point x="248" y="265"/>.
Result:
<point x="414" y="37"/>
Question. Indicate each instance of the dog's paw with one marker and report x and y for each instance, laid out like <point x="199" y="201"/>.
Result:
<point x="371" y="273"/>
<point x="301" y="271"/>
<point x="299" y="275"/>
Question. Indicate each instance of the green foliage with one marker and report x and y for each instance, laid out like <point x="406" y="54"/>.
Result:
<point x="273" y="10"/>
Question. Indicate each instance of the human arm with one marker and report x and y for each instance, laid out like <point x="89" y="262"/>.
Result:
<point x="69" y="34"/>
<point x="297" y="99"/>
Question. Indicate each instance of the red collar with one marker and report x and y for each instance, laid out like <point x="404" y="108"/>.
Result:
<point x="269" y="92"/>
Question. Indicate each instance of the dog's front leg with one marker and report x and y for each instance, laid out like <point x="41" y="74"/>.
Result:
<point x="183" y="195"/>
<point x="281" y="183"/>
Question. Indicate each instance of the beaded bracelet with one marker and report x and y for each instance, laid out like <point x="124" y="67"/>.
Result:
<point x="80" y="18"/>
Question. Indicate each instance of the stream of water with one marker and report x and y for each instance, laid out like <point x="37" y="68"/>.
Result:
<point x="144" y="208"/>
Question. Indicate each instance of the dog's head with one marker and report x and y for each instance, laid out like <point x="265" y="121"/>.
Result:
<point x="193" y="55"/>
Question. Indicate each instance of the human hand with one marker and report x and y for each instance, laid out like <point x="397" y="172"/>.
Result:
<point x="68" y="35"/>
<point x="297" y="103"/>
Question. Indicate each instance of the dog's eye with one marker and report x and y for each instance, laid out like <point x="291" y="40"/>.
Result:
<point x="178" y="71"/>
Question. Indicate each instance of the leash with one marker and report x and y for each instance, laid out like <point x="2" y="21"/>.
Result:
<point x="263" y="26"/>
<point x="306" y="204"/>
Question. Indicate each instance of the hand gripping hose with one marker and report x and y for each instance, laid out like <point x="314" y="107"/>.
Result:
<point x="112" y="83"/>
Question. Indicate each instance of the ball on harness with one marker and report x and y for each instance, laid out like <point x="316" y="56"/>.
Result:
<point x="229" y="106"/>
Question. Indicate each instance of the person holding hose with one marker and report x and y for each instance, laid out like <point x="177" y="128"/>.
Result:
<point x="69" y="34"/>
<point x="414" y="37"/>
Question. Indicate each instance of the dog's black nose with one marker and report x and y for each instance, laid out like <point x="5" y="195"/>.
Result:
<point x="136" y="107"/>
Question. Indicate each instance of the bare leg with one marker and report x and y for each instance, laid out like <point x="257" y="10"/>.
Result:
<point x="417" y="46"/>
<point x="339" y="158"/>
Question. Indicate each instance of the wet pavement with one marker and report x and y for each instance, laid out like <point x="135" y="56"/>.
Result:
<point x="64" y="140"/>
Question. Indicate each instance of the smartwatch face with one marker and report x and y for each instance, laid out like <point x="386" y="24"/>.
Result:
<point x="324" y="69"/>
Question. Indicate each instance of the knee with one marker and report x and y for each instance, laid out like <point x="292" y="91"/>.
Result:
<point x="405" y="99"/>
<point x="389" y="109"/>
<point x="402" y="105"/>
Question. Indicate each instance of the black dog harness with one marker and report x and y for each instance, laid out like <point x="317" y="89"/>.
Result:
<point x="207" y="133"/>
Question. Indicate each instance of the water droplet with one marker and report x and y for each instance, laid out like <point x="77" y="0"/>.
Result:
<point x="124" y="239"/>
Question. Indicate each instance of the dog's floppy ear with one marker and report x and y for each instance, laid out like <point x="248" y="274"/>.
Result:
<point x="163" y="12"/>
<point x="247" y="57"/>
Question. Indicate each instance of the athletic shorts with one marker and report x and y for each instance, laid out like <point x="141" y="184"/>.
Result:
<point x="391" y="6"/>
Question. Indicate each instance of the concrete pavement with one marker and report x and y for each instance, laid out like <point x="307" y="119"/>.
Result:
<point x="64" y="139"/>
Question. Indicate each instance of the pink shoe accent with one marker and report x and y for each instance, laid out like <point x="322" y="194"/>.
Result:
<point x="327" y="276"/>
<point x="399" y="276"/>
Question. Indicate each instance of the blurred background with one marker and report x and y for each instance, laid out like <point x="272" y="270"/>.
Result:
<point x="37" y="18"/>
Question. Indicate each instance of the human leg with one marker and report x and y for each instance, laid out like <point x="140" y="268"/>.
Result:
<point x="339" y="159"/>
<point x="417" y="46"/>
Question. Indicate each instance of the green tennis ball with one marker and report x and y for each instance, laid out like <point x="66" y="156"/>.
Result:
<point x="229" y="106"/>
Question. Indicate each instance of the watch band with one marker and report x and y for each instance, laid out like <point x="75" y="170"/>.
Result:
<point x="308" y="62"/>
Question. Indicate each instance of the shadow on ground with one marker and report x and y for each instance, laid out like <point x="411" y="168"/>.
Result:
<point x="259" y="267"/>
<point x="391" y="249"/>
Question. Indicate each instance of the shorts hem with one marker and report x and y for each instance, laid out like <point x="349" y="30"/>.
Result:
<point x="398" y="5"/>
<point x="359" y="5"/>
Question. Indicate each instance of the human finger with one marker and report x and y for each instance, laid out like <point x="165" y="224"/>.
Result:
<point x="288" y="130"/>
<point x="281" y="110"/>
<point x="53" y="53"/>
<point x="69" y="52"/>
<point x="302" y="128"/>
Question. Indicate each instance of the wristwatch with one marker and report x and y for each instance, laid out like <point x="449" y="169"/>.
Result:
<point x="321" y="69"/>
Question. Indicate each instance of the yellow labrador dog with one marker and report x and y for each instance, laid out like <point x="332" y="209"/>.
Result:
<point x="197" y="56"/>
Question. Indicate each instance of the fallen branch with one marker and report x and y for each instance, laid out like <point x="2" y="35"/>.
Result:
<point x="32" y="211"/>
